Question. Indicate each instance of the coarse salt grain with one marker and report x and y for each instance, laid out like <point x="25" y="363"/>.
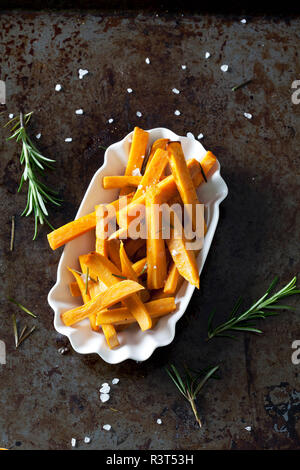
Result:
<point x="68" y="139"/>
<point x="174" y="252"/>
<point x="207" y="55"/>
<point x="190" y="135"/>
<point x="57" y="87"/>
<point x="243" y="21"/>
<point x="115" y="381"/>
<point x="73" y="442"/>
<point x="139" y="114"/>
<point x="79" y="111"/>
<point x="154" y="267"/>
<point x="82" y="73"/>
<point x="176" y="91"/>
<point x="248" y="428"/>
<point x="147" y="60"/>
<point x="129" y="90"/>
<point x="200" y="136"/>
<point x="183" y="67"/>
<point x="248" y="115"/>
<point x="136" y="172"/>
<point x="159" y="421"/>
<point x="177" y="112"/>
<point x="104" y="397"/>
<point x="224" y="67"/>
<point x="10" y="116"/>
<point x="107" y="427"/>
<point x="110" y="120"/>
<point x="105" y="389"/>
<point x="87" y="440"/>
<point x="38" y="136"/>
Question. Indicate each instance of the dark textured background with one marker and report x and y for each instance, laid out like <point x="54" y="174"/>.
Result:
<point x="46" y="399"/>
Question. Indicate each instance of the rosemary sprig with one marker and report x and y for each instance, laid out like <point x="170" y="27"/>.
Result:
<point x="22" y="307"/>
<point x="264" y="307"/>
<point x="190" y="384"/>
<point x="33" y="161"/>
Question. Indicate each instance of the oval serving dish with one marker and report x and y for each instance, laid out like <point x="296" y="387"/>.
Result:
<point x="134" y="344"/>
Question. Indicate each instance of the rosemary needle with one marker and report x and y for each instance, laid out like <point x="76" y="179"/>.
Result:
<point x="86" y="281"/>
<point x="120" y="277"/>
<point x="12" y="235"/>
<point x="15" y="328"/>
<point x="264" y="307"/>
<point x="241" y="85"/>
<point x="22" y="338"/>
<point x="22" y="307"/>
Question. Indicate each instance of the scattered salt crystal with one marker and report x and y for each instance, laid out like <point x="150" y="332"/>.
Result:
<point x="207" y="55"/>
<point x="154" y="267"/>
<point x="87" y="440"/>
<point x="10" y="116"/>
<point x="107" y="427"/>
<point x="105" y="388"/>
<point x="159" y="421"/>
<point x="139" y="114"/>
<point x="79" y="111"/>
<point x="82" y="73"/>
<point x="57" y="87"/>
<point x="243" y="21"/>
<point x="248" y="428"/>
<point x="224" y="68"/>
<point x="115" y="381"/>
<point x="200" y="136"/>
<point x="190" y="135"/>
<point x="136" y="172"/>
<point x="104" y="397"/>
<point x="73" y="442"/>
<point x="248" y="115"/>
<point x="38" y="136"/>
<point x="183" y="67"/>
<point x="176" y="91"/>
<point x="174" y="252"/>
<point x="140" y="186"/>
<point x="68" y="139"/>
<point x="129" y="90"/>
<point x="177" y="112"/>
<point x="147" y="60"/>
<point x="110" y="120"/>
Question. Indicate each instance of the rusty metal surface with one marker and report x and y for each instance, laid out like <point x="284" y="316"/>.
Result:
<point x="46" y="399"/>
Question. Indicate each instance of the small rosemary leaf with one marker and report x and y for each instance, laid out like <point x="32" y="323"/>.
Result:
<point x="15" y="328"/>
<point x="273" y="284"/>
<point x="12" y="234"/>
<point x="236" y="307"/>
<point x="86" y="280"/>
<point x="280" y="307"/>
<point x="209" y="374"/>
<point x="23" y="332"/>
<point x="182" y="391"/>
<point x="177" y="375"/>
<point x="120" y="277"/>
<point x="22" y="307"/>
<point x="210" y="319"/>
<point x="26" y="335"/>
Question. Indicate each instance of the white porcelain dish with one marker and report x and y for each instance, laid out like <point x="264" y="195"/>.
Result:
<point x="134" y="344"/>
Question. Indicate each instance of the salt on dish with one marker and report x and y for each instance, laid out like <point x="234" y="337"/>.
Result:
<point x="243" y="21"/>
<point x="57" y="87"/>
<point x="10" y="116"/>
<point x="68" y="139"/>
<point x="159" y="421"/>
<point x="176" y="91"/>
<point x="207" y="55"/>
<point x="139" y="114"/>
<point x="115" y="381"/>
<point x="248" y="115"/>
<point x="105" y="388"/>
<point x="129" y="90"/>
<point x="177" y="112"/>
<point x="107" y="427"/>
<point x="183" y="67"/>
<point x="38" y="136"/>
<point x="87" y="440"/>
<point x="110" y="120"/>
<point x="147" y="60"/>
<point x="73" y="442"/>
<point x="200" y="136"/>
<point x="79" y="111"/>
<point x="248" y="428"/>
